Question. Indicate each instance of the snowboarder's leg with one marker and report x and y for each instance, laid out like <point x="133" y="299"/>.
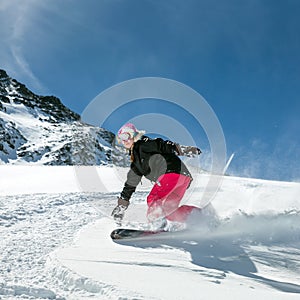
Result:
<point x="171" y="205"/>
<point x="181" y="213"/>
<point x="156" y="198"/>
<point x="165" y="196"/>
<point x="161" y="189"/>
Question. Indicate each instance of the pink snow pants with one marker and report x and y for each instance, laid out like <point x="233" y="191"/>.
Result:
<point x="167" y="193"/>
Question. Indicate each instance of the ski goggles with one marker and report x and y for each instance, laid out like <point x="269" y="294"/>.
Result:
<point x="124" y="137"/>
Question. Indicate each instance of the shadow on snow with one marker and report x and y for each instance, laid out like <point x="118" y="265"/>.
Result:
<point x="221" y="250"/>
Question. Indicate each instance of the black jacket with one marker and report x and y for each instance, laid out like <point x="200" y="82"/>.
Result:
<point x="152" y="158"/>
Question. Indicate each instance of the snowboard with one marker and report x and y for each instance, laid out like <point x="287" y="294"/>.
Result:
<point x="124" y="233"/>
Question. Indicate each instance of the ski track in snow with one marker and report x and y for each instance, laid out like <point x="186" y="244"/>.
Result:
<point x="264" y="248"/>
<point x="31" y="227"/>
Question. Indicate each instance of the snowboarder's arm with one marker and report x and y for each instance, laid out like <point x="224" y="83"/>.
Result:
<point x="131" y="183"/>
<point x="160" y="146"/>
<point x="133" y="180"/>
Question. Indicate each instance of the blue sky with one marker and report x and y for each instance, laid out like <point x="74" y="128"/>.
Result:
<point x="243" y="57"/>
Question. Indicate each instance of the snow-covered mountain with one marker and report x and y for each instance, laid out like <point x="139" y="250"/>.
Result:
<point x="41" y="130"/>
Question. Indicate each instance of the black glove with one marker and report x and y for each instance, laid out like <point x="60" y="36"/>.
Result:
<point x="119" y="211"/>
<point x="189" y="151"/>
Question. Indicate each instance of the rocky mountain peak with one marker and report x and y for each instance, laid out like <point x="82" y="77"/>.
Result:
<point x="12" y="91"/>
<point x="42" y="130"/>
<point x="3" y="74"/>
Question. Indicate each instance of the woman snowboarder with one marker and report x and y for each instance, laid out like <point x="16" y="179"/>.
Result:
<point x="158" y="161"/>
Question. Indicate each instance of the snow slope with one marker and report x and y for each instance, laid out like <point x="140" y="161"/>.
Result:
<point x="55" y="241"/>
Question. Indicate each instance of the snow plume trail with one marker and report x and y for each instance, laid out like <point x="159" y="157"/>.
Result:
<point x="253" y="228"/>
<point x="245" y="243"/>
<point x="259" y="247"/>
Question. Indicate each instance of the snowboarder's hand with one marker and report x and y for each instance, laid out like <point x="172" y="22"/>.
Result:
<point x="119" y="211"/>
<point x="189" y="151"/>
